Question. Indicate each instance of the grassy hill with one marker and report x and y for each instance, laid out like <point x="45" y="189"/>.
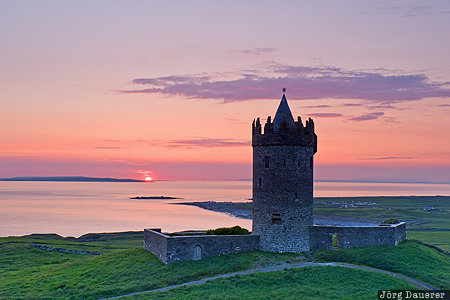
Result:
<point x="124" y="267"/>
<point x="410" y="258"/>
<point x="306" y="283"/>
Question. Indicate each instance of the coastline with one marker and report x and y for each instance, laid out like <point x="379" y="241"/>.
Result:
<point x="243" y="210"/>
<point x="421" y="213"/>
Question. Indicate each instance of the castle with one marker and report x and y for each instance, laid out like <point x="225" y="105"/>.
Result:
<point x="283" y="163"/>
<point x="283" y="181"/>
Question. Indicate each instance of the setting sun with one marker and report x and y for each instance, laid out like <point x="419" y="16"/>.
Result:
<point x="148" y="178"/>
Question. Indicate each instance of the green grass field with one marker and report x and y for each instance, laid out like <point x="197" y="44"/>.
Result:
<point x="30" y="273"/>
<point x="408" y="258"/>
<point x="404" y="208"/>
<point x="306" y="283"/>
<point x="124" y="267"/>
<point x="440" y="239"/>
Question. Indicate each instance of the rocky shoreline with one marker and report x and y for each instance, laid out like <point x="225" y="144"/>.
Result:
<point x="229" y="208"/>
<point x="243" y="210"/>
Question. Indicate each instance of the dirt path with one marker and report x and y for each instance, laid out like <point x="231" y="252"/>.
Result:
<point x="417" y="283"/>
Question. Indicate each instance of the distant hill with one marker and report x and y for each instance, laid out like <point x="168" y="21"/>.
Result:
<point x="70" y="178"/>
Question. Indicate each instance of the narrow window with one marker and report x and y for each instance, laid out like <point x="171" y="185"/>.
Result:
<point x="284" y="162"/>
<point x="334" y="240"/>
<point x="260" y="181"/>
<point x="266" y="162"/>
<point x="276" y="218"/>
<point x="299" y="163"/>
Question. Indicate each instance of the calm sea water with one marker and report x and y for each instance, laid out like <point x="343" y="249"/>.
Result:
<point x="75" y="208"/>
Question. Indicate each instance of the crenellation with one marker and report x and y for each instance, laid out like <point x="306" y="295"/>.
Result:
<point x="299" y="122"/>
<point x="297" y="134"/>
<point x="256" y="127"/>
<point x="268" y="127"/>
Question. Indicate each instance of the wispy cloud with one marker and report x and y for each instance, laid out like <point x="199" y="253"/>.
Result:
<point x="385" y="106"/>
<point x="258" y="51"/>
<point x="302" y="83"/>
<point x="317" y="106"/>
<point x="122" y="161"/>
<point x="236" y="121"/>
<point x="325" y="115"/>
<point x="351" y="104"/>
<point x="359" y="118"/>
<point x="366" y="117"/>
<point x="196" y="142"/>
<point x="390" y="157"/>
<point x="207" y="143"/>
<point x="409" y="11"/>
<point x="108" y="147"/>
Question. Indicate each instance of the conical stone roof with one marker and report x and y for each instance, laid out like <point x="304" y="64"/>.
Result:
<point x="283" y="115"/>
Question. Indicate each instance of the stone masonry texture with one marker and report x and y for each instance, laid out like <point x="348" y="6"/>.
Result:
<point x="350" y="237"/>
<point x="181" y="248"/>
<point x="283" y="181"/>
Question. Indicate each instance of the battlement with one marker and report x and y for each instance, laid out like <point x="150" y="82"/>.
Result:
<point x="285" y="134"/>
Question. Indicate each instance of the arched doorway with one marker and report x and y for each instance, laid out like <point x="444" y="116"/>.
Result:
<point x="197" y="252"/>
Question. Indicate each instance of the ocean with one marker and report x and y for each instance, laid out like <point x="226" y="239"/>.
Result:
<point x="76" y="208"/>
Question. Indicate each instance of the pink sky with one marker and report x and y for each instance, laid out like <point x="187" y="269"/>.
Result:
<point x="169" y="90"/>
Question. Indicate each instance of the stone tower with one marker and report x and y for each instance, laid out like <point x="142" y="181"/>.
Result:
<point x="283" y="181"/>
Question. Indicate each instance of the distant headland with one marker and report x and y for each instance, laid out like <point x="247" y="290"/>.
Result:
<point x="70" y="178"/>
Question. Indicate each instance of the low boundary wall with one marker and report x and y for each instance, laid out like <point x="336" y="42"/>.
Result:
<point x="181" y="248"/>
<point x="321" y="237"/>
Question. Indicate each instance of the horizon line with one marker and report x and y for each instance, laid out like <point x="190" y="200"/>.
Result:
<point x="75" y="178"/>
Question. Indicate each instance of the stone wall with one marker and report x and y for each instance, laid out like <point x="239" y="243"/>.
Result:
<point x="181" y="248"/>
<point x="282" y="197"/>
<point x="156" y="243"/>
<point x="321" y="237"/>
